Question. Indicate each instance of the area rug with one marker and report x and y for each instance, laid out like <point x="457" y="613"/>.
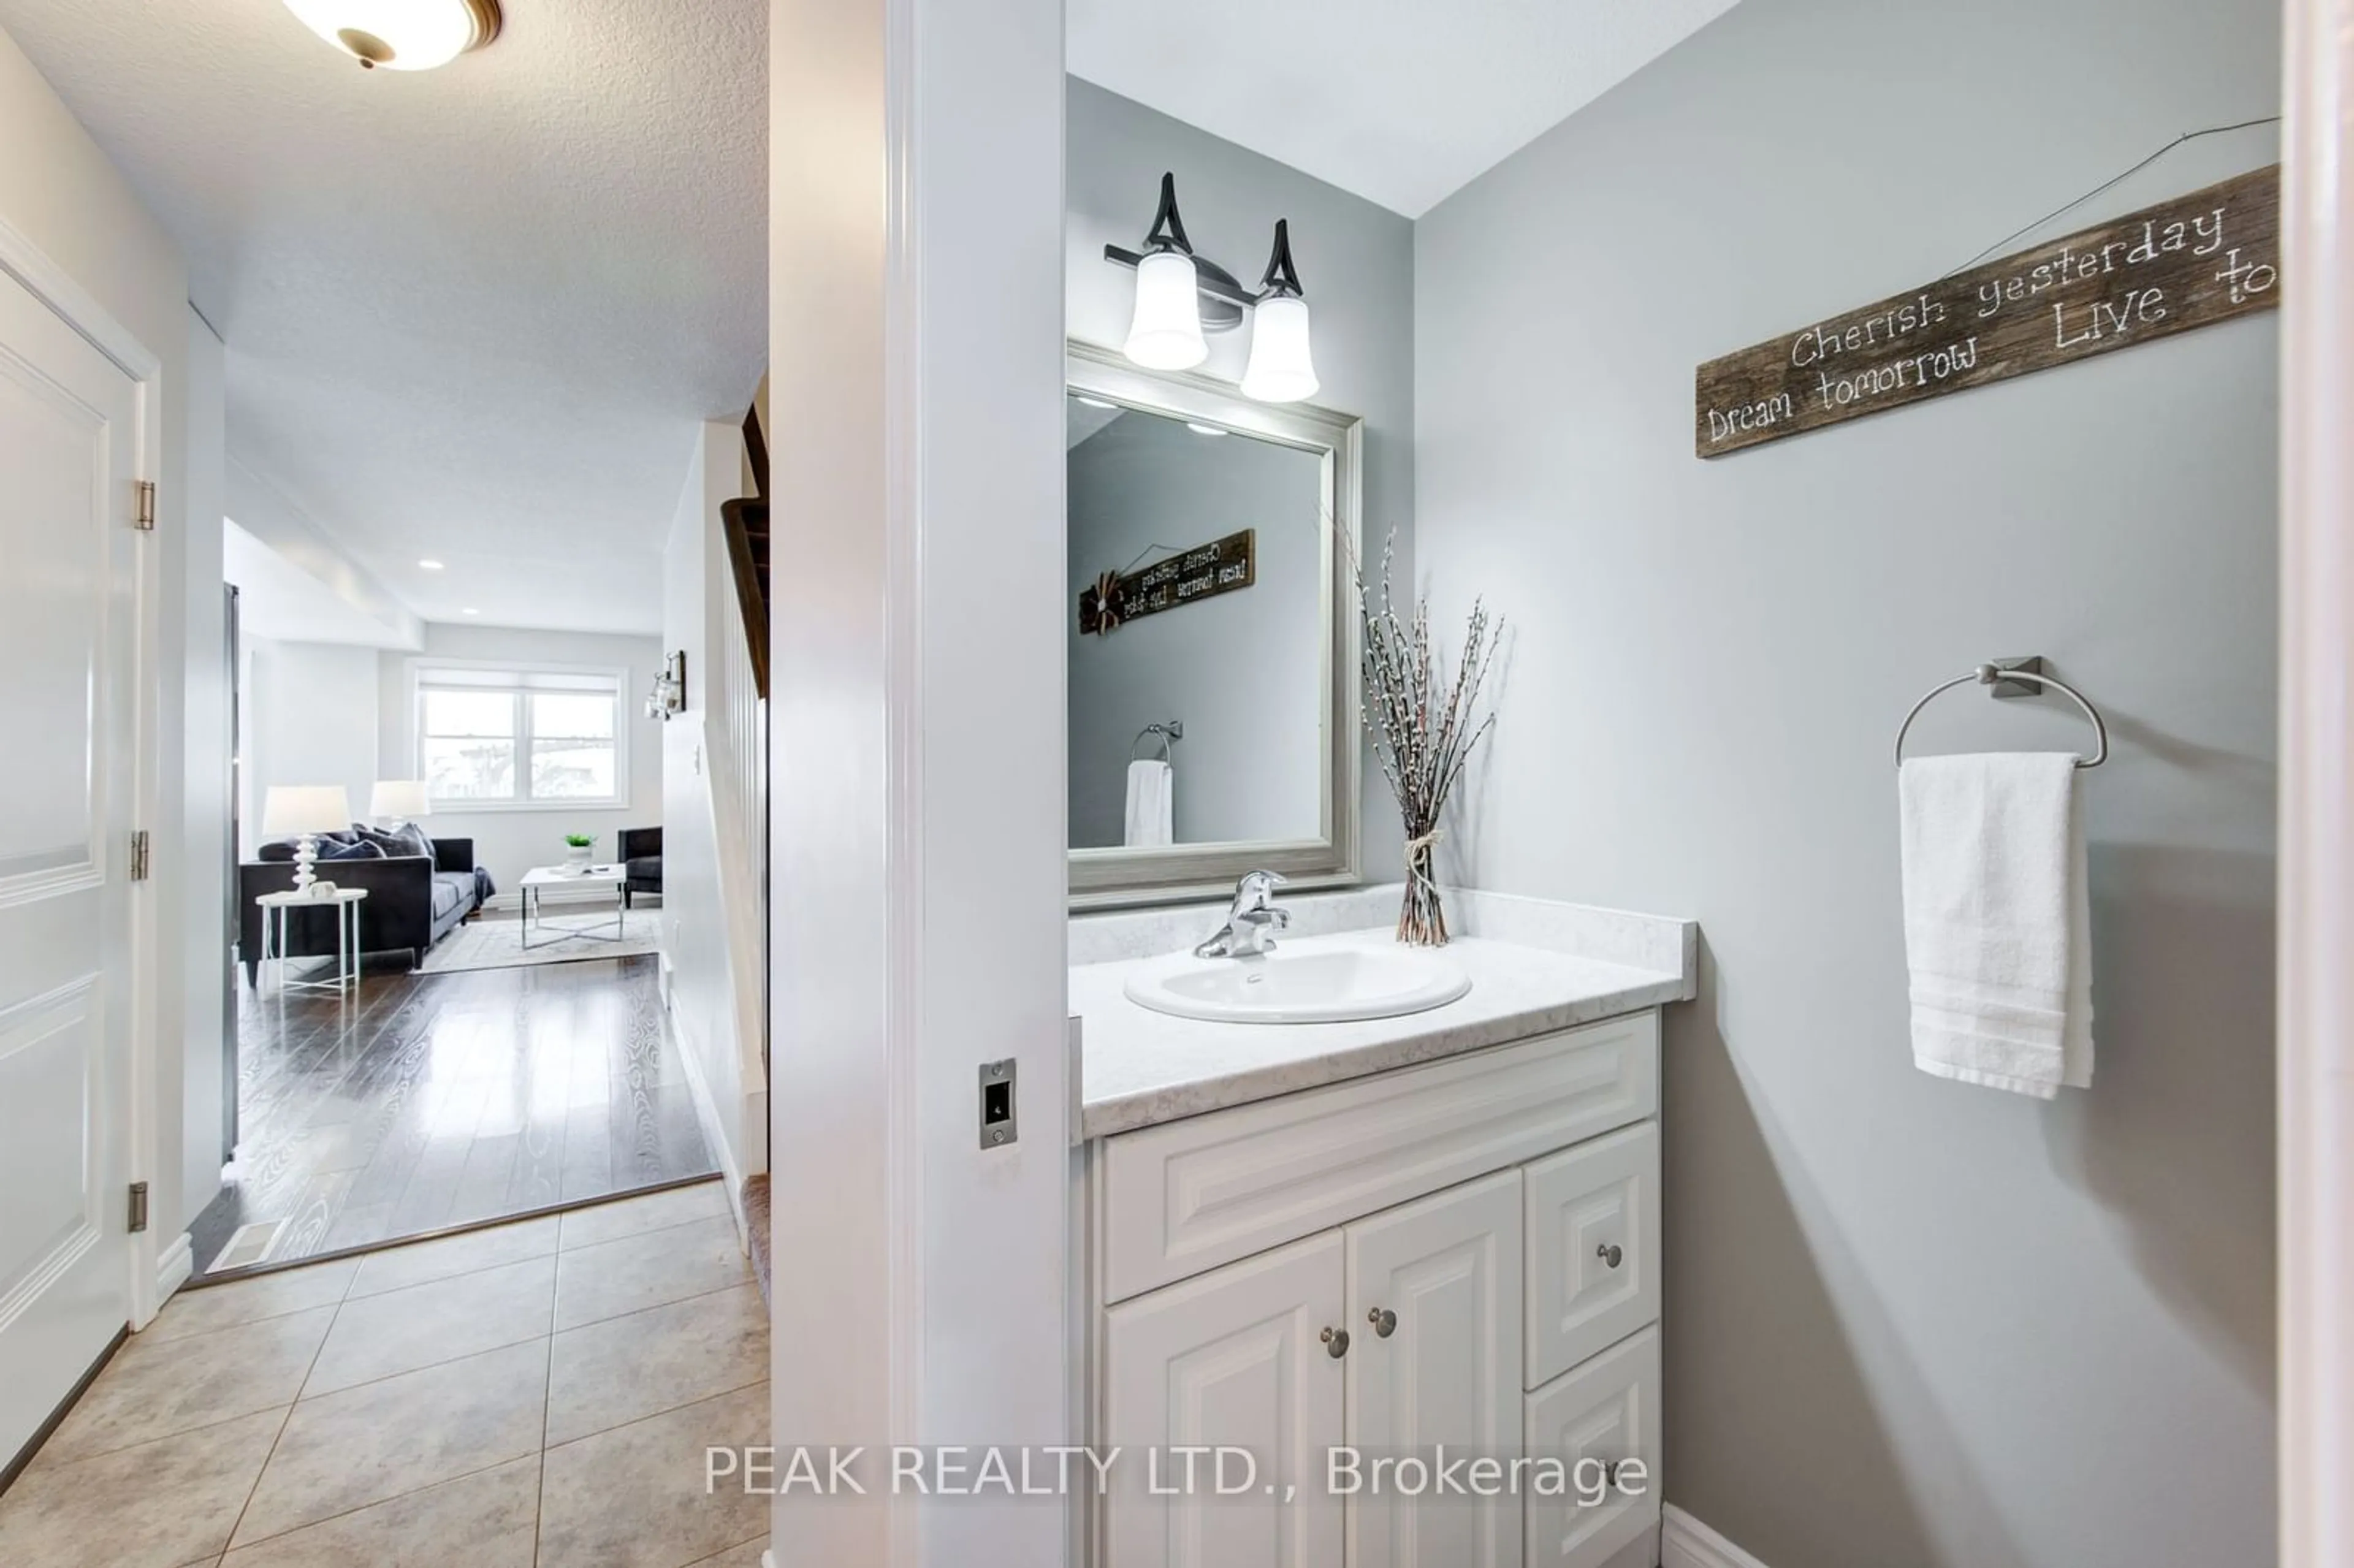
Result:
<point x="494" y="940"/>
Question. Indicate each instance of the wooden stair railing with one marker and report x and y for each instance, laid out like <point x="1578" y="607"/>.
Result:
<point x="747" y="525"/>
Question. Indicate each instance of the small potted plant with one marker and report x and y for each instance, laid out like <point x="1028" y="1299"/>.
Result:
<point x="579" y="849"/>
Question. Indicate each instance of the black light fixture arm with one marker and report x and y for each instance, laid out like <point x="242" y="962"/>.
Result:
<point x="1225" y="299"/>
<point x="1282" y="279"/>
<point x="1167" y="231"/>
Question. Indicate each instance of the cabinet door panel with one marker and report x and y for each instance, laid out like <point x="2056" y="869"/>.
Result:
<point x="1445" y="1383"/>
<point x="1593" y="1248"/>
<point x="1232" y="1357"/>
<point x="1606" y="1411"/>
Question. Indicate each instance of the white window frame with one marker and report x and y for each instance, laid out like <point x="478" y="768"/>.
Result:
<point x="419" y="668"/>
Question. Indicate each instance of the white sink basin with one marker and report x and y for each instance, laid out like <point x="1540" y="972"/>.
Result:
<point x="1325" y="985"/>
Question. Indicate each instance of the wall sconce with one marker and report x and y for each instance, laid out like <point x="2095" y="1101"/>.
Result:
<point x="668" y="699"/>
<point x="1180" y="296"/>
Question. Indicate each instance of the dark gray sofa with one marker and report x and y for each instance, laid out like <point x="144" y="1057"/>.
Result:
<point x="412" y="903"/>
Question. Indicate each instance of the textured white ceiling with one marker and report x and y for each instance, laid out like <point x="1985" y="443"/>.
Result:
<point x="473" y="314"/>
<point x="1402" y="101"/>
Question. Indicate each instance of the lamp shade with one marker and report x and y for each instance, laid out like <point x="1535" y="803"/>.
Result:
<point x="403" y="797"/>
<point x="1281" y="369"/>
<point x="1166" y="332"/>
<point x="305" y="809"/>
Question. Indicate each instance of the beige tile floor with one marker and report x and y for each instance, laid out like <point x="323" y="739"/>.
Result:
<point x="538" y="1395"/>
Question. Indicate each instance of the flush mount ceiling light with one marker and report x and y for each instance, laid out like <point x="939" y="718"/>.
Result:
<point x="429" y="564"/>
<point x="401" y="35"/>
<point x="1180" y="296"/>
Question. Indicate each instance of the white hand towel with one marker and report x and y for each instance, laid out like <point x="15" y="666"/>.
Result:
<point x="1151" y="801"/>
<point x="1998" y="920"/>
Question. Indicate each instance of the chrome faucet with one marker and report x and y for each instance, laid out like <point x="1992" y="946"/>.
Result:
<point x="1252" y="922"/>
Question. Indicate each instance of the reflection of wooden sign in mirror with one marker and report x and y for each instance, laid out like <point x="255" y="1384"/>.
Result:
<point x="1204" y="572"/>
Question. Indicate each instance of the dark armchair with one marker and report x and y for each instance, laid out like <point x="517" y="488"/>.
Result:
<point x="642" y="858"/>
<point x="412" y="903"/>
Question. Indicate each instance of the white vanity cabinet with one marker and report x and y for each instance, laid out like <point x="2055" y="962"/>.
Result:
<point x="1462" y="1255"/>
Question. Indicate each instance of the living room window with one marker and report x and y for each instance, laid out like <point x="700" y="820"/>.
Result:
<point x="494" y="737"/>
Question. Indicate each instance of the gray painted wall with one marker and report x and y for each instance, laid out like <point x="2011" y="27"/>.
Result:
<point x="1239" y="670"/>
<point x="1910" y="1323"/>
<point x="1356" y="260"/>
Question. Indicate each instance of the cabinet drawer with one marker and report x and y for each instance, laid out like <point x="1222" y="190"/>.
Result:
<point x="1593" y="1249"/>
<point x="1189" y="1195"/>
<point x="1607" y="1410"/>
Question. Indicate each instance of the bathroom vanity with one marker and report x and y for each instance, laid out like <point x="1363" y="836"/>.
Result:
<point x="1383" y="1238"/>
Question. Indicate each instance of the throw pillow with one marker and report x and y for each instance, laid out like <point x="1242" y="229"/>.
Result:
<point x="402" y="842"/>
<point x="360" y="849"/>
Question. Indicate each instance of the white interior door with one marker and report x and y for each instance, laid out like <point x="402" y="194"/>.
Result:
<point x="1237" y="1358"/>
<point x="68" y="463"/>
<point x="1435" y="1303"/>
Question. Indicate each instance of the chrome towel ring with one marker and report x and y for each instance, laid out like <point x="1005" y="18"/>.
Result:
<point x="1170" y="734"/>
<point x="2015" y="669"/>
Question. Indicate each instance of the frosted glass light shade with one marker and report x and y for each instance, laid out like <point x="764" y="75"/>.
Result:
<point x="1281" y="369"/>
<point x="401" y="798"/>
<point x="305" y="809"/>
<point x="1166" y="332"/>
<point x="400" y="34"/>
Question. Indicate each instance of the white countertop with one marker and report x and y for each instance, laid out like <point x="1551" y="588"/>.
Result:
<point x="1141" y="1068"/>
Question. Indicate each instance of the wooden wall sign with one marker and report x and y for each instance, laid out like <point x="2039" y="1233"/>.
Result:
<point x="2206" y="256"/>
<point x="1220" y="566"/>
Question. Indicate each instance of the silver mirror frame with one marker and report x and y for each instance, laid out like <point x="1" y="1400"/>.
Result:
<point x="1116" y="878"/>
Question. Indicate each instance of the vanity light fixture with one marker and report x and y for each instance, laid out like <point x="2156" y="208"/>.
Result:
<point x="1181" y="295"/>
<point x="1280" y="369"/>
<point x="401" y="35"/>
<point x="1165" y="332"/>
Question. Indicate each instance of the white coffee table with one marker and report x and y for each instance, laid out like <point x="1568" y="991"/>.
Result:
<point x="346" y="902"/>
<point x="540" y="878"/>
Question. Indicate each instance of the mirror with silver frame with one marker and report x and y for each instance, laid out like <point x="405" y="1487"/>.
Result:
<point x="1213" y="636"/>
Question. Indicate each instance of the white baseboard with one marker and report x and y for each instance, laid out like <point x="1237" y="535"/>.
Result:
<point x="708" y="1117"/>
<point x="1686" y="1543"/>
<point x="174" y="1266"/>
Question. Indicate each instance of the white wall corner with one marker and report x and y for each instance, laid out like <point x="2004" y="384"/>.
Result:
<point x="1686" y="1543"/>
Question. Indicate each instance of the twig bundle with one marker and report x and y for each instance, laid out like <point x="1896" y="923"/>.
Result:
<point x="1424" y="728"/>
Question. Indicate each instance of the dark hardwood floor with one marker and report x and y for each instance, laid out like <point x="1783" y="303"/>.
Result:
<point x="427" y="1101"/>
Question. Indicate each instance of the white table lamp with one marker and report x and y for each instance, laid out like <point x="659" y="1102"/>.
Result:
<point x="396" y="800"/>
<point x="306" y="811"/>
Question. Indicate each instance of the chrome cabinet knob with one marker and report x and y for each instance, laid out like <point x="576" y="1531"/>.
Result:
<point x="1609" y="1255"/>
<point x="1384" y="1320"/>
<point x="1336" y="1342"/>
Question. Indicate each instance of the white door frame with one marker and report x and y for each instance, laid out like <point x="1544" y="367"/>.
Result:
<point x="918" y="787"/>
<point x="136" y="1103"/>
<point x="2316" y="1114"/>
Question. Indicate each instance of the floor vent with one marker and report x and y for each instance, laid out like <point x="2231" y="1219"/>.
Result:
<point x="250" y="1245"/>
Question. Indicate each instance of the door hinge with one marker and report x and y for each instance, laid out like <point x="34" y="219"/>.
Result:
<point x="138" y="1207"/>
<point x="139" y="855"/>
<point x="145" y="520"/>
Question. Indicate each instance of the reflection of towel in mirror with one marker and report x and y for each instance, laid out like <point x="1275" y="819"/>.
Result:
<point x="1151" y="795"/>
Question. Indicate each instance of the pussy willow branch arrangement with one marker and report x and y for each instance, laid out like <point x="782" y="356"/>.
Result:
<point x="1424" y="728"/>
